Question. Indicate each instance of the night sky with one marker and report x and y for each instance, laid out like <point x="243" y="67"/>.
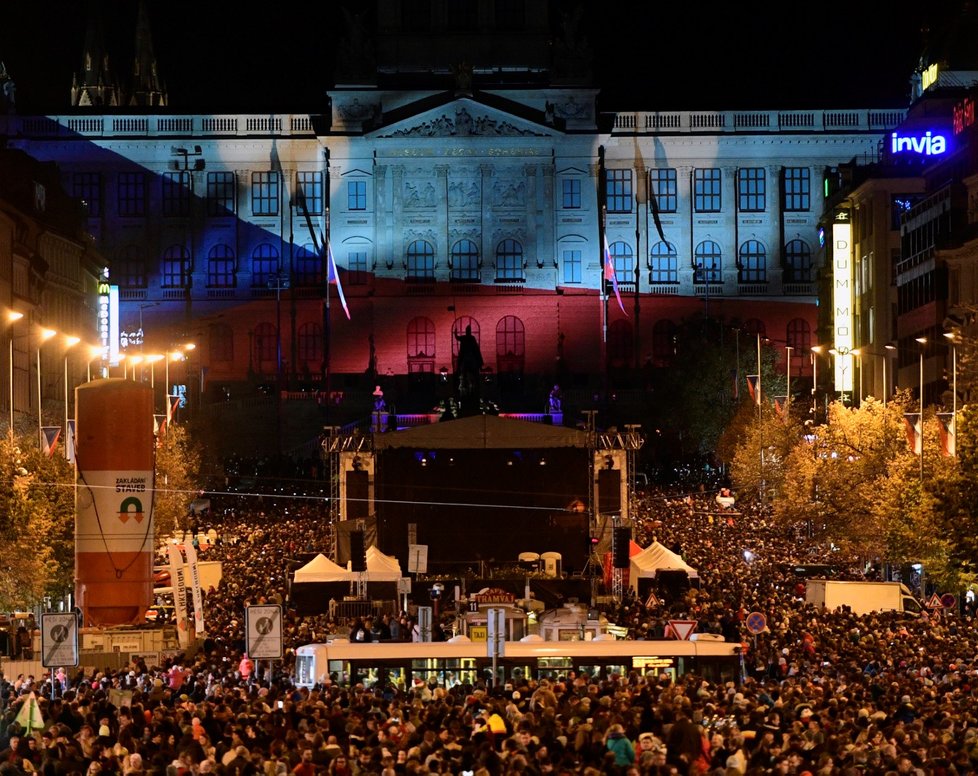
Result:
<point x="225" y="55"/>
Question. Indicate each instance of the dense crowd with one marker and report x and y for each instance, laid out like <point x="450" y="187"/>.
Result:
<point x="820" y="693"/>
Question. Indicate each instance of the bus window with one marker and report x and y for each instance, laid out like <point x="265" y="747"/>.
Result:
<point x="551" y="667"/>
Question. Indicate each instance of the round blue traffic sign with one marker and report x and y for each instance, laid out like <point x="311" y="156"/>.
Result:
<point x="756" y="622"/>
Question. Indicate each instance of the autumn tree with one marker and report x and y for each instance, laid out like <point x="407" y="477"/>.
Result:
<point x="177" y="479"/>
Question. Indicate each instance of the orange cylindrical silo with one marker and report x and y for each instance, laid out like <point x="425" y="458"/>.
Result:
<point x="114" y="464"/>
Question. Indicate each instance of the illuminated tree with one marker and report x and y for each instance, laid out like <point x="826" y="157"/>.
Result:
<point x="177" y="480"/>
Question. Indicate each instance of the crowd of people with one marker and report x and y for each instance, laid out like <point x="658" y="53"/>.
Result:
<point x="820" y="693"/>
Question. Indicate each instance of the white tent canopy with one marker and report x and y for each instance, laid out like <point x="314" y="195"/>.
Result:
<point x="380" y="567"/>
<point x="654" y="558"/>
<point x="321" y="569"/>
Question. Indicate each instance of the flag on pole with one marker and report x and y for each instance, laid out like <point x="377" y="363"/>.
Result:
<point x="50" y="436"/>
<point x="159" y="428"/>
<point x="754" y="388"/>
<point x="948" y="434"/>
<point x="29" y="717"/>
<point x="780" y="405"/>
<point x="333" y="276"/>
<point x="914" y="437"/>
<point x="610" y="274"/>
<point x="171" y="407"/>
<point x="70" y="440"/>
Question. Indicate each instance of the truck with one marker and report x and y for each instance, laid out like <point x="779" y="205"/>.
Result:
<point x="862" y="597"/>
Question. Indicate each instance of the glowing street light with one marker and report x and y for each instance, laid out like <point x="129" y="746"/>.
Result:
<point x="95" y="353"/>
<point x="923" y="343"/>
<point x="43" y="336"/>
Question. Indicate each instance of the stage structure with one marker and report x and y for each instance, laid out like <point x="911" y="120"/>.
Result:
<point x="481" y="491"/>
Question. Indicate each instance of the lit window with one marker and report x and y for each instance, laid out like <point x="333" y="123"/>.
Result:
<point x="509" y="261"/>
<point x="309" y="190"/>
<point x="420" y="261"/>
<point x="573" y="266"/>
<point x="465" y="261"/>
<point x="797" y="188"/>
<point x="707" y="190"/>
<point x="356" y="195"/>
<point x="663" y="263"/>
<point x="571" y="193"/>
<point x="220" y="267"/>
<point x="753" y="263"/>
<point x="618" y="191"/>
<point x="663" y="186"/>
<point x="751" y="190"/>
<point x="264" y="193"/>
<point x="176" y="268"/>
<point x="264" y="265"/>
<point x="708" y="263"/>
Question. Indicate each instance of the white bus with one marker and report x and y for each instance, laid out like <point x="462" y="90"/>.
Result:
<point x="450" y="663"/>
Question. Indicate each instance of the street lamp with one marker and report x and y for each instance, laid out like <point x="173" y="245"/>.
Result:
<point x="953" y="338"/>
<point x="787" y="400"/>
<point x="12" y="317"/>
<point x="95" y="353"/>
<point x="70" y="342"/>
<point x="176" y="355"/>
<point x="923" y="342"/>
<point x="151" y="360"/>
<point x="43" y="336"/>
<point x="135" y="361"/>
<point x="890" y="349"/>
<point x="817" y="350"/>
<point x="858" y="353"/>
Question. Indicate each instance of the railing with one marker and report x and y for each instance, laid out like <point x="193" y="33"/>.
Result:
<point x="143" y="126"/>
<point x="798" y="289"/>
<point x="760" y="121"/>
<point x="752" y="289"/>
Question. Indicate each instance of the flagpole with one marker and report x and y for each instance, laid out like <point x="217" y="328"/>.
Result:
<point x="326" y="317"/>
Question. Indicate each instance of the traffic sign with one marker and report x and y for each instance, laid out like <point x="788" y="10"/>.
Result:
<point x="756" y="622"/>
<point x="59" y="640"/>
<point x="934" y="602"/>
<point x="651" y="601"/>
<point x="418" y="559"/>
<point x="949" y="601"/>
<point x="681" y="629"/>
<point x="263" y="631"/>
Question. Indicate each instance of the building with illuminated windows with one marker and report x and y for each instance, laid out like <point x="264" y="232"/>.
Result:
<point x="462" y="179"/>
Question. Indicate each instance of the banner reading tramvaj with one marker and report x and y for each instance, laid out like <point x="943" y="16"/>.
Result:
<point x="263" y="631"/>
<point x="59" y="640"/>
<point x="195" y="588"/>
<point x="179" y="581"/>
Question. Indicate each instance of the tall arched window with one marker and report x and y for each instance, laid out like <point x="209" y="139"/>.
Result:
<point x="798" y="262"/>
<point x="176" y="267"/>
<point x="663" y="263"/>
<point x="620" y="347"/>
<point x="221" y="338"/>
<point x="220" y="267"/>
<point x="465" y="261"/>
<point x="264" y="265"/>
<point x="458" y="329"/>
<point x="708" y="261"/>
<point x="308" y="267"/>
<point x="663" y="342"/>
<point x="510" y="344"/>
<point x="131" y="268"/>
<point x="509" y="261"/>
<point x="624" y="261"/>
<point x="753" y="263"/>
<point x="420" y="261"/>
<point x="310" y="345"/>
<point x="265" y="346"/>
<point x="421" y="345"/>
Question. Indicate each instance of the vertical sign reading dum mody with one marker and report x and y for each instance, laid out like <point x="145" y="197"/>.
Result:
<point x="842" y="303"/>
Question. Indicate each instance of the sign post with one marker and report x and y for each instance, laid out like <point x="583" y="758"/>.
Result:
<point x="263" y="633"/>
<point x="59" y="642"/>
<point x="496" y="638"/>
<point x="418" y="559"/>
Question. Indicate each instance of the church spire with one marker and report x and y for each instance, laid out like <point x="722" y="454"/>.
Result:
<point x="146" y="87"/>
<point x="96" y="86"/>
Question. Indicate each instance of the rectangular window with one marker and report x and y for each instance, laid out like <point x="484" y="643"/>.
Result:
<point x="751" y="190"/>
<point x="663" y="186"/>
<point x="309" y="186"/>
<point x="797" y="188"/>
<point x="706" y="190"/>
<point x="571" y="199"/>
<point x="572" y="267"/>
<point x="220" y="194"/>
<point x="264" y="193"/>
<point x="131" y="194"/>
<point x="175" y="194"/>
<point x="356" y="195"/>
<point x="618" y="191"/>
<point x="87" y="186"/>
<point x="356" y="268"/>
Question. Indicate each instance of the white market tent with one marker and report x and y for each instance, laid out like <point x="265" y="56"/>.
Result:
<point x="654" y="558"/>
<point x="321" y="569"/>
<point x="380" y="567"/>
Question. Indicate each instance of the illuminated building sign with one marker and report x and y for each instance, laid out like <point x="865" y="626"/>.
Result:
<point x="964" y="115"/>
<point x="927" y="144"/>
<point x="842" y="304"/>
<point x="929" y="77"/>
<point x="108" y="319"/>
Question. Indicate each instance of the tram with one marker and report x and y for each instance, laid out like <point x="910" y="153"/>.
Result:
<point x="450" y="663"/>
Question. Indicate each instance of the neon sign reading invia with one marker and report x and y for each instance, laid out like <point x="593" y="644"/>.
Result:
<point x="927" y="144"/>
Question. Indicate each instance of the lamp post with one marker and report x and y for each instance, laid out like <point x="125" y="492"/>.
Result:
<point x="923" y="342"/>
<point x="953" y="338"/>
<point x="70" y="342"/>
<point x="858" y="353"/>
<point x="95" y="352"/>
<point x="176" y="355"/>
<point x="816" y="352"/>
<point x="43" y="336"/>
<point x="135" y="361"/>
<point x="12" y="317"/>
<point x="151" y="360"/>
<point x="890" y="349"/>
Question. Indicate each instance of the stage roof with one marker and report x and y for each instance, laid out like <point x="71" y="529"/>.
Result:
<point x="487" y="432"/>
